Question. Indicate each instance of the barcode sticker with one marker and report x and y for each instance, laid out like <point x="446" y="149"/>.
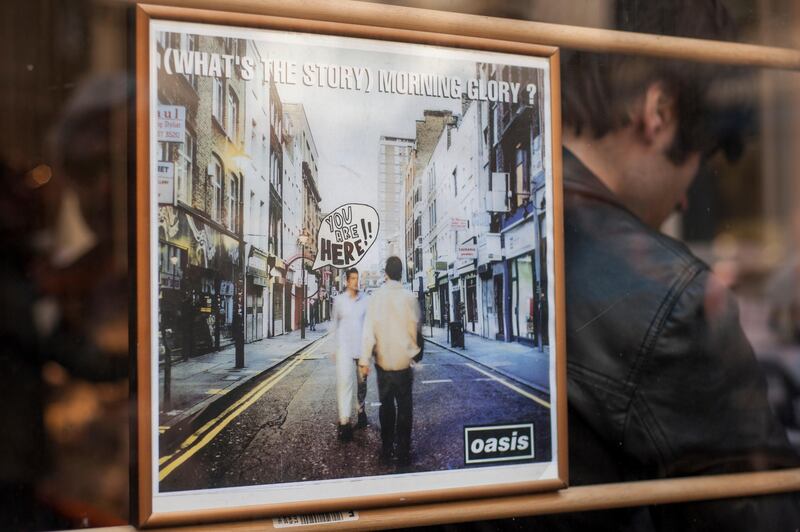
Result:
<point x="314" y="519"/>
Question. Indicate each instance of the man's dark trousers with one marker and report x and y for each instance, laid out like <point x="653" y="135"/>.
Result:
<point x="394" y="391"/>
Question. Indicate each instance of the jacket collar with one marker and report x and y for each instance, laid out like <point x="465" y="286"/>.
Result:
<point x="580" y="180"/>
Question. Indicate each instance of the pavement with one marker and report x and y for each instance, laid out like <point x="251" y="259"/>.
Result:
<point x="516" y="361"/>
<point x="197" y="383"/>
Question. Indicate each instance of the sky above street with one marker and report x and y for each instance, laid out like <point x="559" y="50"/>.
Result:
<point x="347" y="123"/>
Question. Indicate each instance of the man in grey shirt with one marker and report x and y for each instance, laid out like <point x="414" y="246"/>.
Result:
<point x="390" y="328"/>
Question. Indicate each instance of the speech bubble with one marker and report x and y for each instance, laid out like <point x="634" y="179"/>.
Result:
<point x="345" y="235"/>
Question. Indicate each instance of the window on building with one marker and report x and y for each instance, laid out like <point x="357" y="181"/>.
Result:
<point x="262" y="219"/>
<point x="184" y="169"/>
<point x="272" y="168"/>
<point x="232" y="116"/>
<point x="171" y="262"/>
<point x="232" y="202"/>
<point x="274" y="233"/>
<point x="522" y="186"/>
<point x="164" y="153"/>
<point x="217" y="93"/>
<point x="455" y="181"/>
<point x="275" y="173"/>
<point x="214" y="198"/>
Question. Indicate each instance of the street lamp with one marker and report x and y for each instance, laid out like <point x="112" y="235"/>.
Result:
<point x="303" y="240"/>
<point x="238" y="157"/>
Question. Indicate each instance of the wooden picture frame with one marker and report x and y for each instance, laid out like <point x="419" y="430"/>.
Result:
<point x="211" y="221"/>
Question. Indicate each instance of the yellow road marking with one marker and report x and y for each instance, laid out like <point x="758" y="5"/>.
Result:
<point x="188" y="448"/>
<point x="509" y="385"/>
<point x="216" y="391"/>
<point x="191" y="439"/>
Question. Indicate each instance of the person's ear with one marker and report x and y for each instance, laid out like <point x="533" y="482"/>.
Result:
<point x="658" y="119"/>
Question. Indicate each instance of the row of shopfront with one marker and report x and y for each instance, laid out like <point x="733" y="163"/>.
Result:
<point x="202" y="291"/>
<point x="502" y="294"/>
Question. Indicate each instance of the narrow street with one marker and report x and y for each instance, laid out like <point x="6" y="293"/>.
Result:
<point x="284" y="429"/>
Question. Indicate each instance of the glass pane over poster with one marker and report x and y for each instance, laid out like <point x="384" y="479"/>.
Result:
<point x="354" y="241"/>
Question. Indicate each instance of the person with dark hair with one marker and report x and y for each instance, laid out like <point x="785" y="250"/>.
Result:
<point x="349" y="309"/>
<point x="313" y="317"/>
<point x="390" y="330"/>
<point x="662" y="381"/>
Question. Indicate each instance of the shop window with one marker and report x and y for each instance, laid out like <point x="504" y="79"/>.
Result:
<point x="170" y="265"/>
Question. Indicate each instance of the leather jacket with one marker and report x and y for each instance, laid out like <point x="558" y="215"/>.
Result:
<point x="662" y="381"/>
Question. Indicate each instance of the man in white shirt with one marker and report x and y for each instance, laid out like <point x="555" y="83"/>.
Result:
<point x="390" y="328"/>
<point x="349" y="309"/>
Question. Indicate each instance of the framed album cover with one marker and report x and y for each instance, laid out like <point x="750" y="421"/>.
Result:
<point x="349" y="267"/>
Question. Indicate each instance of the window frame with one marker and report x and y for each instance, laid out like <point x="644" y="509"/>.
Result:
<point x="218" y="101"/>
<point x="214" y="183"/>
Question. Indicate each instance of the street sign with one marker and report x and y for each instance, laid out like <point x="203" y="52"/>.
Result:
<point x="258" y="263"/>
<point x="467" y="251"/>
<point x="458" y="224"/>
<point x="165" y="173"/>
<point x="171" y="123"/>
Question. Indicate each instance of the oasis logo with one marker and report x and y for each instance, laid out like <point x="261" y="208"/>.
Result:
<point x="498" y="443"/>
